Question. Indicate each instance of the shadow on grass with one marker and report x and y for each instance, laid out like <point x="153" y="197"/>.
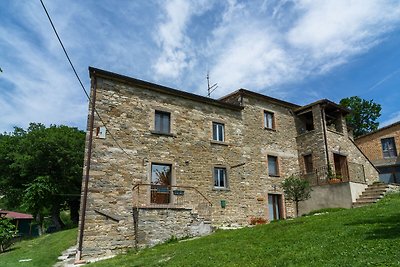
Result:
<point x="385" y="227"/>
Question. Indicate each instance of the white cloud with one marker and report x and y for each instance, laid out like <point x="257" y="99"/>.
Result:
<point x="176" y="48"/>
<point x="264" y="46"/>
<point x="329" y="32"/>
<point x="252" y="49"/>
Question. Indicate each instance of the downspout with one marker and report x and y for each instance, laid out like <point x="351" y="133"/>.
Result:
<point x="86" y="178"/>
<point x="325" y="138"/>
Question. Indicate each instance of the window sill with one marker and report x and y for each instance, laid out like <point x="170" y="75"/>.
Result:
<point x="274" y="175"/>
<point x="270" y="129"/>
<point x="220" y="189"/>
<point x="215" y="142"/>
<point x="163" y="134"/>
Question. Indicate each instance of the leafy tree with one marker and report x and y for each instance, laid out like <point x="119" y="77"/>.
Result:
<point x="296" y="190"/>
<point x="363" y="116"/>
<point x="7" y="233"/>
<point x="42" y="170"/>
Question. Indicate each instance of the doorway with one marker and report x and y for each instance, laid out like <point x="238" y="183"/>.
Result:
<point x="341" y="169"/>
<point x="160" y="183"/>
<point x="274" y="207"/>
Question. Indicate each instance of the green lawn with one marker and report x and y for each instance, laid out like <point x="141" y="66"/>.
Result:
<point x="368" y="236"/>
<point x="43" y="251"/>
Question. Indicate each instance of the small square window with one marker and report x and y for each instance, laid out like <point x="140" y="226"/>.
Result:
<point x="269" y="120"/>
<point x="218" y="132"/>
<point x="220" y="180"/>
<point x="273" y="169"/>
<point x="389" y="148"/>
<point x="162" y="122"/>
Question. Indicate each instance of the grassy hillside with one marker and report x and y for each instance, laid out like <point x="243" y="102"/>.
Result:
<point x="43" y="251"/>
<point x="368" y="236"/>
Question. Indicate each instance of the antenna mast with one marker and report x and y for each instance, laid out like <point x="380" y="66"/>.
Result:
<point x="211" y="88"/>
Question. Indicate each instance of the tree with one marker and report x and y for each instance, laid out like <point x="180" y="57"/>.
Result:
<point x="296" y="190"/>
<point x="7" y="233"/>
<point x="363" y="116"/>
<point x="42" y="170"/>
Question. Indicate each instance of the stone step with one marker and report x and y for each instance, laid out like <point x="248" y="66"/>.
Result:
<point x="377" y="188"/>
<point x="372" y="200"/>
<point x="369" y="193"/>
<point x="365" y="198"/>
<point x="372" y="194"/>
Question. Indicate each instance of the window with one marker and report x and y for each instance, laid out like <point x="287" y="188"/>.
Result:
<point x="273" y="166"/>
<point x="162" y="122"/>
<point x="389" y="148"/>
<point x="218" y="132"/>
<point x="269" y="120"/>
<point x="308" y="163"/>
<point x="220" y="180"/>
<point x="160" y="183"/>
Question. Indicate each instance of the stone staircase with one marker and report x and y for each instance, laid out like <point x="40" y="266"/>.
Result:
<point x="372" y="194"/>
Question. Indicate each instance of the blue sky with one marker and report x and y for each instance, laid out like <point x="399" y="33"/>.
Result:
<point x="299" y="51"/>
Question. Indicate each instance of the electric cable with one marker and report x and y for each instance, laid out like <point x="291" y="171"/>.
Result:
<point x="80" y="81"/>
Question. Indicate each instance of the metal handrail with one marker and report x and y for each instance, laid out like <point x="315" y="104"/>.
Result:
<point x="171" y="186"/>
<point x="354" y="173"/>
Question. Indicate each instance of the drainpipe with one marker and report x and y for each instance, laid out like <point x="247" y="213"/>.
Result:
<point x="86" y="177"/>
<point x="325" y="138"/>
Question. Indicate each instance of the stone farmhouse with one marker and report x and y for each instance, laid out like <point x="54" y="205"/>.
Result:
<point x="382" y="147"/>
<point x="162" y="162"/>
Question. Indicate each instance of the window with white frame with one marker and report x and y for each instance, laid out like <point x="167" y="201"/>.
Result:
<point x="220" y="179"/>
<point x="162" y="122"/>
<point x="218" y="131"/>
<point x="269" y="120"/>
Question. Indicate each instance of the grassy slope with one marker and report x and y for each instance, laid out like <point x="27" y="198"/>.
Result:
<point x="43" y="250"/>
<point x="368" y="236"/>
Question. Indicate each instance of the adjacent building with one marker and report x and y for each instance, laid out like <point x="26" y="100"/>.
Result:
<point x="382" y="148"/>
<point x="164" y="162"/>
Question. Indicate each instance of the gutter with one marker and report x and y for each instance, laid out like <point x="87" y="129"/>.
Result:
<point x="78" y="257"/>
<point x="325" y="138"/>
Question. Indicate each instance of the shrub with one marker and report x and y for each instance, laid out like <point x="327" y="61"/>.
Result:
<point x="257" y="220"/>
<point x="7" y="233"/>
<point x="296" y="189"/>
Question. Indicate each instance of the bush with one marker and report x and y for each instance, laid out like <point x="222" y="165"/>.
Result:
<point x="296" y="189"/>
<point x="257" y="220"/>
<point x="7" y="233"/>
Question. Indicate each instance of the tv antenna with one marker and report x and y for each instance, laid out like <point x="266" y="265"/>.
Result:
<point x="211" y="88"/>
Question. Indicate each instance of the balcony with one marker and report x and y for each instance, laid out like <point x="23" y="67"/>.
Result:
<point x="351" y="172"/>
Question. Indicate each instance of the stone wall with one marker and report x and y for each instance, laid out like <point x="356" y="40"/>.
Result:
<point x="341" y="144"/>
<point x="155" y="225"/>
<point x="313" y="142"/>
<point x="128" y="111"/>
<point x="327" y="196"/>
<point x="371" y="144"/>
<point x="127" y="106"/>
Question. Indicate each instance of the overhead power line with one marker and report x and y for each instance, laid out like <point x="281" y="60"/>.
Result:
<point x="80" y="81"/>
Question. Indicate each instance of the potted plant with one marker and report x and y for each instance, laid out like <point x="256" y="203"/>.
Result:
<point x="332" y="178"/>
